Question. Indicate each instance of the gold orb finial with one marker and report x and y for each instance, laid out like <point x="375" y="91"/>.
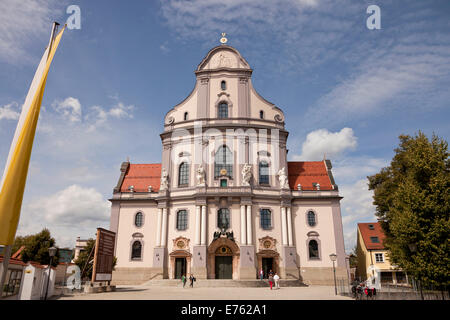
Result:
<point x="223" y="40"/>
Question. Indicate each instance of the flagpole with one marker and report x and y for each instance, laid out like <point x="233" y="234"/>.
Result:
<point x="52" y="37"/>
<point x="8" y="248"/>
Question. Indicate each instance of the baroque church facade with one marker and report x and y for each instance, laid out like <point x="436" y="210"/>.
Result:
<point x="225" y="202"/>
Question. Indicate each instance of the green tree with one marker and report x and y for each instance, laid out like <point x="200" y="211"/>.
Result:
<point x="36" y="247"/>
<point x="412" y="202"/>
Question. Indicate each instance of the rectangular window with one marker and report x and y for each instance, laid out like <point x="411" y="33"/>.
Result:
<point x="182" y="220"/>
<point x="375" y="239"/>
<point x="266" y="219"/>
<point x="12" y="283"/>
<point x="379" y="257"/>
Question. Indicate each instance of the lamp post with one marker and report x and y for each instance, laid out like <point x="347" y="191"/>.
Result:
<point x="51" y="253"/>
<point x="333" y="258"/>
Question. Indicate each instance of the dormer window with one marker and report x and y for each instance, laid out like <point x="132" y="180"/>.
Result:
<point x="185" y="116"/>
<point x="223" y="110"/>
<point x="223" y="85"/>
<point x="371" y="227"/>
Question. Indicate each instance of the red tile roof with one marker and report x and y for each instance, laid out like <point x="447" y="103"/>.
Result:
<point x="308" y="172"/>
<point x="14" y="261"/>
<point x="141" y="176"/>
<point x="366" y="233"/>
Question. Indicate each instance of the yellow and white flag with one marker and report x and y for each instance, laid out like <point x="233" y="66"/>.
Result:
<point x="15" y="175"/>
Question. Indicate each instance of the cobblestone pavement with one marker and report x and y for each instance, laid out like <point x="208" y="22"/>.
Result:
<point x="204" y="293"/>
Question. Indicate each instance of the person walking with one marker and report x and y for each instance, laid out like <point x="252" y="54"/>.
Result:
<point x="261" y="274"/>
<point x="192" y="279"/>
<point x="276" y="277"/>
<point x="183" y="279"/>
<point x="270" y="280"/>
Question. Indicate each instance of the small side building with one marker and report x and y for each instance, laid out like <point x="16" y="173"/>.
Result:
<point x="373" y="257"/>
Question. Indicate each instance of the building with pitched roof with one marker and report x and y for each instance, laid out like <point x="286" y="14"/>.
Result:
<point x="373" y="257"/>
<point x="225" y="202"/>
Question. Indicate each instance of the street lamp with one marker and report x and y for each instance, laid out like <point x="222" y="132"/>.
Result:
<point x="333" y="258"/>
<point x="51" y="253"/>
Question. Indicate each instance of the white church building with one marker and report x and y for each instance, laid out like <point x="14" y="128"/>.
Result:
<point x="225" y="202"/>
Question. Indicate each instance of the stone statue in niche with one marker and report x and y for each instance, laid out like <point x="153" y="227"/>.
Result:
<point x="164" y="180"/>
<point x="246" y="174"/>
<point x="201" y="176"/>
<point x="282" y="177"/>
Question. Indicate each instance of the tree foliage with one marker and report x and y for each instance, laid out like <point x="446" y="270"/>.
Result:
<point x="36" y="247"/>
<point x="412" y="202"/>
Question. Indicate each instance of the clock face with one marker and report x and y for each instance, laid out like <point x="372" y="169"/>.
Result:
<point x="223" y="172"/>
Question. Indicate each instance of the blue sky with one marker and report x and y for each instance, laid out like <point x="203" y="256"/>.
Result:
<point x="345" y="90"/>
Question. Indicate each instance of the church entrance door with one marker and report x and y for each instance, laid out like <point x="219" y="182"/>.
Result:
<point x="267" y="265"/>
<point x="180" y="267"/>
<point x="224" y="267"/>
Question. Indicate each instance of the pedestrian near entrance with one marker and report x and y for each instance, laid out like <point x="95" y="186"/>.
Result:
<point x="276" y="278"/>
<point x="183" y="279"/>
<point x="270" y="280"/>
<point x="261" y="274"/>
<point x="192" y="279"/>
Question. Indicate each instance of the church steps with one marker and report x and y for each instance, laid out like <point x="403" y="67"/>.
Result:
<point x="222" y="283"/>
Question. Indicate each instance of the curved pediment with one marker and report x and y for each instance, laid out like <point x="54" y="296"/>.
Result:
<point x="223" y="57"/>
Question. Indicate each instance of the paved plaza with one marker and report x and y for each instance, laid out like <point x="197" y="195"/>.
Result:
<point x="207" y="293"/>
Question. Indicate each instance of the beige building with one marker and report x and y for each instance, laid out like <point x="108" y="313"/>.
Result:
<point x="225" y="202"/>
<point x="373" y="258"/>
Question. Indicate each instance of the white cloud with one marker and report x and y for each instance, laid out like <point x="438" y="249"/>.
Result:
<point x="320" y="142"/>
<point x="100" y="116"/>
<point x="71" y="212"/>
<point x="10" y="111"/>
<point x="70" y="108"/>
<point x="388" y="80"/>
<point x="73" y="206"/>
<point x="21" y="22"/>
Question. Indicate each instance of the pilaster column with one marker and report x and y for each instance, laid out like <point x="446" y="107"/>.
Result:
<point x="164" y="228"/>
<point x="158" y="228"/>
<point x="249" y="226"/>
<point x="197" y="225"/>
<point x="203" y="236"/>
<point x="243" y="227"/>
<point x="289" y="224"/>
<point x="283" y="226"/>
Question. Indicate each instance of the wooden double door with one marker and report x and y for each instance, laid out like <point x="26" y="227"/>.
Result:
<point x="224" y="267"/>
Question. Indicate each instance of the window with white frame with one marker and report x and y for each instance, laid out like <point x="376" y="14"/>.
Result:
<point x="379" y="257"/>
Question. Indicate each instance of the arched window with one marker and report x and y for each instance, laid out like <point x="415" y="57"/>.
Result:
<point x="223" y="218"/>
<point x="183" y="174"/>
<point x="223" y="110"/>
<point x="313" y="249"/>
<point x="263" y="172"/>
<point x="136" y="250"/>
<point x="185" y="116"/>
<point x="223" y="160"/>
<point x="138" y="219"/>
<point x="311" y="218"/>
<point x="182" y="220"/>
<point x="223" y="85"/>
<point x="266" y="219"/>
<point x="261" y="114"/>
